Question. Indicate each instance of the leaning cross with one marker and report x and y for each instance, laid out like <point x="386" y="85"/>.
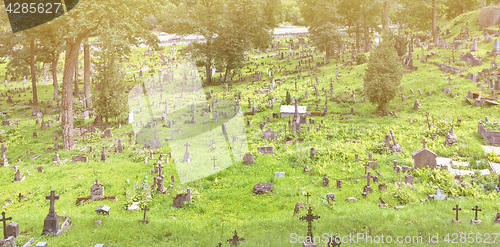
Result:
<point x="476" y="209"/>
<point x="187" y="145"/>
<point x="457" y="209"/>
<point x="309" y="218"/>
<point x="3" y="149"/>
<point x="52" y="197"/>
<point x="145" y="209"/>
<point x="424" y="142"/>
<point x="4" y="220"/>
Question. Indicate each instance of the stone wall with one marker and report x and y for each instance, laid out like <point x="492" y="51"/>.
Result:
<point x="489" y="16"/>
<point x="492" y="137"/>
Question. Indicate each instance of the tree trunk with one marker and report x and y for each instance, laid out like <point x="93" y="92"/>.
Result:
<point x="434" y="33"/>
<point x="386" y="14"/>
<point x="76" y="90"/>
<point x="365" y="28"/>
<point x="54" y="77"/>
<point x="328" y="54"/>
<point x="86" y="75"/>
<point x="70" y="61"/>
<point x="32" y="69"/>
<point x="208" y="64"/>
<point x="357" y="37"/>
<point x="227" y="73"/>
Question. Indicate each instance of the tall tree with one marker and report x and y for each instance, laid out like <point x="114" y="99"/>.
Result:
<point x="361" y="15"/>
<point x="21" y="49"/>
<point x="323" y="21"/>
<point x="229" y="28"/>
<point x="383" y="74"/>
<point x="92" y="18"/>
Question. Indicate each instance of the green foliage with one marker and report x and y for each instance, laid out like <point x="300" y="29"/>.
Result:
<point x="383" y="74"/>
<point x="493" y="157"/>
<point x="455" y="8"/>
<point x="109" y="96"/>
<point x="401" y="44"/>
<point x="360" y="58"/>
<point x="404" y="194"/>
<point x="491" y="126"/>
<point x="288" y="98"/>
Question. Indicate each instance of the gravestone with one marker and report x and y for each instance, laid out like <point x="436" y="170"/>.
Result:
<point x="107" y="133"/>
<point x="326" y="181"/>
<point x="456" y="217"/>
<point x="409" y="179"/>
<point x="187" y="156"/>
<point x="265" y="150"/>
<point x="248" y="158"/>
<point x="51" y="222"/>
<point x="80" y="157"/>
<point x="424" y="158"/>
<point x="179" y="199"/>
<point x="119" y="148"/>
<point x="269" y="134"/>
<point x="3" y="160"/>
<point x="97" y="191"/>
<point x="475" y="220"/>
<point x="309" y="242"/>
<point x="262" y="188"/>
<point x="451" y="137"/>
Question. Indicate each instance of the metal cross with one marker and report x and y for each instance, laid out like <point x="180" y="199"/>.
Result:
<point x="476" y="209"/>
<point x="424" y="142"/>
<point x="4" y="220"/>
<point x="457" y="209"/>
<point x="187" y="145"/>
<point x="309" y="218"/>
<point x="145" y="209"/>
<point x="52" y="197"/>
<point x="236" y="239"/>
<point x="308" y="195"/>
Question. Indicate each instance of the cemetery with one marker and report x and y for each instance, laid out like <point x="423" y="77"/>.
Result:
<point x="296" y="145"/>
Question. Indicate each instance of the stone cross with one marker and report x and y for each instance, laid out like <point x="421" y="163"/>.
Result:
<point x="473" y="209"/>
<point x="52" y="197"/>
<point x="424" y="142"/>
<point x="145" y="209"/>
<point x="187" y="145"/>
<point x="309" y="218"/>
<point x="236" y="239"/>
<point x="3" y="149"/>
<point x="456" y="210"/>
<point x="160" y="171"/>
<point x="3" y="219"/>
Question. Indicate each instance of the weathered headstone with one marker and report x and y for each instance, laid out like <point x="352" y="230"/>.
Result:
<point x="51" y="222"/>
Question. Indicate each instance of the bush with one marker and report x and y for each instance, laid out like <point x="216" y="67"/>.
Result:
<point x="360" y="58"/>
<point x="383" y="75"/>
